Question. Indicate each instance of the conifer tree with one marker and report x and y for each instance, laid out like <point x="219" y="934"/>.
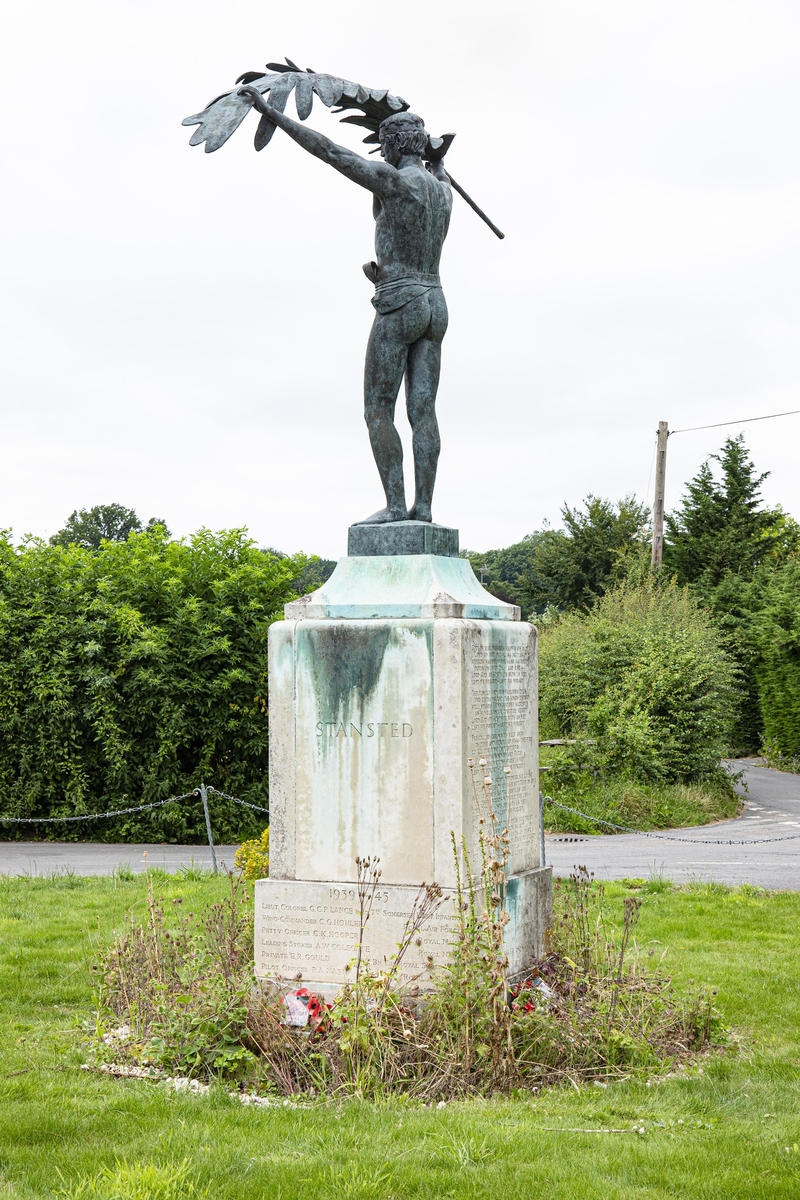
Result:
<point x="720" y="528"/>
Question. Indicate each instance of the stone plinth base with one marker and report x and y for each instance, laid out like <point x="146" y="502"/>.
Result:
<point x="402" y="537"/>
<point x="401" y="585"/>
<point x="402" y="709"/>
<point x="372" y="726"/>
<point x="312" y="929"/>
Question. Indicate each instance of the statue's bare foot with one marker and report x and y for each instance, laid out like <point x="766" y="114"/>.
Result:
<point x="420" y="512"/>
<point x="385" y="516"/>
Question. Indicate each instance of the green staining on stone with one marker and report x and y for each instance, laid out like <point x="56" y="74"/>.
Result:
<point x="346" y="661"/>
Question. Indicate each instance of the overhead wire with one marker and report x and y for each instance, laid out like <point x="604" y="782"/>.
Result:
<point x="744" y="421"/>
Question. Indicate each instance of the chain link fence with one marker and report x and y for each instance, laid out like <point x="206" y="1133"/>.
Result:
<point x="667" y="837"/>
<point x="202" y="792"/>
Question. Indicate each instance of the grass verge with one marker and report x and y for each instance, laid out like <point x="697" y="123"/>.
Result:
<point x="727" y="1128"/>
<point x="773" y="757"/>
<point x="636" y="805"/>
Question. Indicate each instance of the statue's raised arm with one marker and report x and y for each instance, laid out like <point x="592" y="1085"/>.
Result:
<point x="375" y="176"/>
<point x="366" y="107"/>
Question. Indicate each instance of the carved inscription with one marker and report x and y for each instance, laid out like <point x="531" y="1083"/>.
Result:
<point x="364" y="729"/>
<point x="501" y="730"/>
<point x="312" y="929"/>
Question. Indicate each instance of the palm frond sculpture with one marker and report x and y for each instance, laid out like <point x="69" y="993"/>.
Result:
<point x="366" y="107"/>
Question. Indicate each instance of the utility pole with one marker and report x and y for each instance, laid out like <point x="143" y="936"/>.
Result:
<point x="658" y="499"/>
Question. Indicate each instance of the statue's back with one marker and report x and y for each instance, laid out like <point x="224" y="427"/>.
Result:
<point x="412" y="224"/>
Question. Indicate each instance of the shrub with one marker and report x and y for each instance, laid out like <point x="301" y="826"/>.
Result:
<point x="774" y="757"/>
<point x="776" y="628"/>
<point x="631" y="803"/>
<point x="252" y="857"/>
<point x="130" y="673"/>
<point x="646" y="677"/>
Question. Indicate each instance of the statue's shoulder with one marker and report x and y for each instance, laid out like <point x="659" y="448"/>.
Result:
<point x="420" y="182"/>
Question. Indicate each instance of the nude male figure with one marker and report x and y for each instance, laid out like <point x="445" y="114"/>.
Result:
<point x="412" y="202"/>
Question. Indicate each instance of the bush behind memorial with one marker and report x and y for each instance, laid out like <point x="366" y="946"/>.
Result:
<point x="131" y="672"/>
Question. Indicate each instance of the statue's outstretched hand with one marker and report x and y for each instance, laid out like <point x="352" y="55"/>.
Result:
<point x="436" y="168"/>
<point x="256" y="99"/>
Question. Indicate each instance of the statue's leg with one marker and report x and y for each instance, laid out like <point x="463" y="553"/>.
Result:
<point x="387" y="356"/>
<point x="422" y="382"/>
<point x="383" y="374"/>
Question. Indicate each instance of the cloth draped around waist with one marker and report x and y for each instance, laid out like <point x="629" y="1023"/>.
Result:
<point x="395" y="293"/>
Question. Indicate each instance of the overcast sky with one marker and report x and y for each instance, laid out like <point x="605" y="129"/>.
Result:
<point x="184" y="333"/>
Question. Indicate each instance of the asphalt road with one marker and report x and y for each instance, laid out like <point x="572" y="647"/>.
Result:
<point x="772" y="810"/>
<point x="103" y="858"/>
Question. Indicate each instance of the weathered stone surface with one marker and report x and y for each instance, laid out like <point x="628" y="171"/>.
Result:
<point x="377" y="706"/>
<point x="312" y="929"/>
<point x="371" y="726"/>
<point x="402" y="537"/>
<point x="401" y="586"/>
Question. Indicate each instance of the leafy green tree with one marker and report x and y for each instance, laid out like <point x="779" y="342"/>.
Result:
<point x="647" y="676"/>
<point x="569" y="568"/>
<point x="572" y="571"/>
<point x="133" y="672"/>
<point x="501" y="570"/>
<point x="88" y="527"/>
<point x="315" y="572"/>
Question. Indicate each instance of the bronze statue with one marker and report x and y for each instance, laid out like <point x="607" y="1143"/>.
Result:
<point x="412" y="201"/>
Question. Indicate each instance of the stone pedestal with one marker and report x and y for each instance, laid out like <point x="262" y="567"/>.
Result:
<point x="383" y="684"/>
<point x="402" y="537"/>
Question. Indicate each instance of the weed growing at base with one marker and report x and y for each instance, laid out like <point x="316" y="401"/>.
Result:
<point x="178" y="996"/>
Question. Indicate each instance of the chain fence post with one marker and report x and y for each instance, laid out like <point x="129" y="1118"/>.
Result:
<point x="204" y="798"/>
<point x="542" y="861"/>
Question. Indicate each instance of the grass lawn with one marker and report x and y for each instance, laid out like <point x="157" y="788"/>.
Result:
<point x="729" y="1128"/>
